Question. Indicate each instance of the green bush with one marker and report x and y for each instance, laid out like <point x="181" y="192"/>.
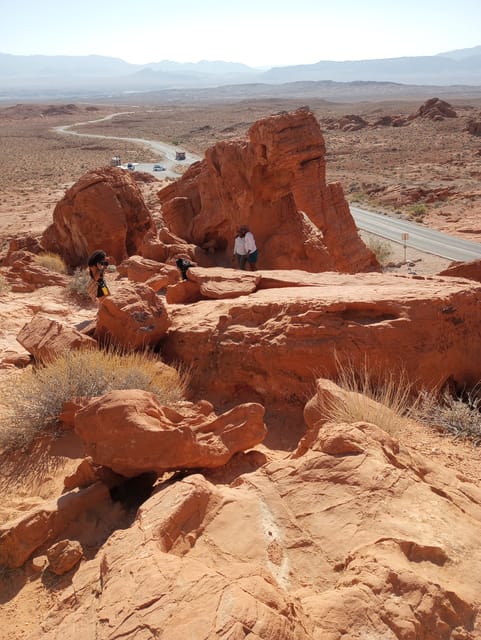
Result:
<point x="35" y="397"/>
<point x="418" y="211"/>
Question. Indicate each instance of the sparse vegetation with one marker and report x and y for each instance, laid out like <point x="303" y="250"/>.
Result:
<point x="35" y="397"/>
<point x="4" y="286"/>
<point x="51" y="261"/>
<point x="381" y="249"/>
<point x="458" y="415"/>
<point x="77" y="286"/>
<point x="417" y="212"/>
<point x="392" y="394"/>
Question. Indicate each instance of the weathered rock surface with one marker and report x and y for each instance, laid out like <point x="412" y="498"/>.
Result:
<point x="103" y="210"/>
<point x="63" y="556"/>
<point x="22" y="537"/>
<point x="133" y="317"/>
<point x="45" y="338"/>
<point x="132" y="433"/>
<point x="156" y="274"/>
<point x="275" y="182"/>
<point x="355" y="538"/>
<point x="436" y="109"/>
<point x="469" y="270"/>
<point x="25" y="275"/>
<point x="272" y="344"/>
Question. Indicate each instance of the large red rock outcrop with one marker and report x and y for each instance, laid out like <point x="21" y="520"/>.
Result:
<point x="272" y="344"/>
<point x="275" y="182"/>
<point x="356" y="538"/>
<point x="133" y="317"/>
<point x="436" y="109"/>
<point x="103" y="210"/>
<point x="131" y="433"/>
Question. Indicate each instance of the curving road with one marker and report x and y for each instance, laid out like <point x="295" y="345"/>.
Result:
<point x="393" y="229"/>
<point x="419" y="237"/>
<point x="166" y="151"/>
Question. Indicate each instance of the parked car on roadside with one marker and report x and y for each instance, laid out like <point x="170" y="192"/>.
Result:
<point x="158" y="167"/>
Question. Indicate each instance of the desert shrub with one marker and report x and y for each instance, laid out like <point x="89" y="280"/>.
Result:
<point x="51" y="261"/>
<point x="77" y="286"/>
<point x="36" y="396"/>
<point x="458" y="415"/>
<point x="418" y="211"/>
<point x="393" y="397"/>
<point x="4" y="286"/>
<point x="381" y="249"/>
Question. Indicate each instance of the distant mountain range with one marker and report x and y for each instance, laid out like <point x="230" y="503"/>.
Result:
<point x="37" y="75"/>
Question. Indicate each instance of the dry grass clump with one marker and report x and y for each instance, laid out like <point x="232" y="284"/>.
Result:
<point x="381" y="249"/>
<point x="456" y="415"/>
<point x="35" y="397"/>
<point x="51" y="261"/>
<point x="384" y="400"/>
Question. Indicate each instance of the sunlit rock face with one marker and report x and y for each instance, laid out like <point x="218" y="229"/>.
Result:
<point x="275" y="182"/>
<point x="103" y="210"/>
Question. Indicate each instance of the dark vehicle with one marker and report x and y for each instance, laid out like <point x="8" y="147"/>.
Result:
<point x="130" y="166"/>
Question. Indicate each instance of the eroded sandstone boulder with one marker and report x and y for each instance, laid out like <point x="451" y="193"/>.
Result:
<point x="63" y="556"/>
<point x="156" y="274"/>
<point x="104" y="209"/>
<point x="23" y="536"/>
<point x="274" y="181"/>
<point x="45" y="338"/>
<point x="132" y="433"/>
<point x="133" y="317"/>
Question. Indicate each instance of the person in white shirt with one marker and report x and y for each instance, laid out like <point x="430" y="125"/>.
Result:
<point x="240" y="250"/>
<point x="250" y="247"/>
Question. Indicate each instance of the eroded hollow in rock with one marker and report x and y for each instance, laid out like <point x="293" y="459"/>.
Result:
<point x="134" y="491"/>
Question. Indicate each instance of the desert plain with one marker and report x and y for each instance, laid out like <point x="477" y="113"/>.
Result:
<point x="387" y="157"/>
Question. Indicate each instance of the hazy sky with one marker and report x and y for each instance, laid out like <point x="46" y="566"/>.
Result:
<point x="255" y="32"/>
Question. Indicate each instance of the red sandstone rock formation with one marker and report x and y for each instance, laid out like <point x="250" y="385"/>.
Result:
<point x="274" y="181"/>
<point x="45" y="338"/>
<point x="29" y="532"/>
<point x="131" y="433"/>
<point x="133" y="317"/>
<point x="357" y="537"/>
<point x="103" y="210"/>
<point x="271" y="344"/>
<point x="469" y="270"/>
<point x="435" y="109"/>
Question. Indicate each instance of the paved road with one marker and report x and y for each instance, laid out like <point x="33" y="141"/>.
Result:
<point x="166" y="151"/>
<point x="419" y="237"/>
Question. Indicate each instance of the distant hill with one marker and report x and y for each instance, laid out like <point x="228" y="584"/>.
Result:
<point x="39" y="76"/>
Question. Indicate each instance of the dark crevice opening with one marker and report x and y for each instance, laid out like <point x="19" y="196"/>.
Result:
<point x="133" y="492"/>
